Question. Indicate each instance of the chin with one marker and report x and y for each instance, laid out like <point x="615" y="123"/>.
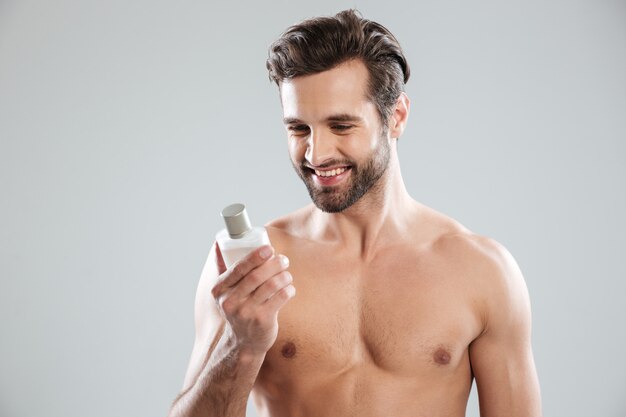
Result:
<point x="328" y="208"/>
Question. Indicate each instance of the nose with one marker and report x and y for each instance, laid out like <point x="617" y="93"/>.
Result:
<point x="320" y="148"/>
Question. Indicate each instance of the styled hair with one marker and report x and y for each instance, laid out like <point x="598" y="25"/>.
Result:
<point x="321" y="43"/>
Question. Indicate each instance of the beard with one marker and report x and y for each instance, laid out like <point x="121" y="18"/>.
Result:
<point x="334" y="199"/>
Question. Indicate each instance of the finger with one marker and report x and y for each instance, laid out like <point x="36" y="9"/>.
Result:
<point x="241" y="268"/>
<point x="259" y="276"/>
<point x="221" y="265"/>
<point x="272" y="286"/>
<point x="278" y="300"/>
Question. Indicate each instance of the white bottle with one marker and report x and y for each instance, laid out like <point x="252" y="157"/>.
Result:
<point x="239" y="238"/>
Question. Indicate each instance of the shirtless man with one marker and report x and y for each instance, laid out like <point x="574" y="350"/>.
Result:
<point x="398" y="307"/>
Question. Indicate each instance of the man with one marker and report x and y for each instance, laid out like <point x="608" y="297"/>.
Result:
<point x="399" y="307"/>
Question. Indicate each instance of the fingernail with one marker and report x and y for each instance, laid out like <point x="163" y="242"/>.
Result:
<point x="284" y="261"/>
<point x="266" y="252"/>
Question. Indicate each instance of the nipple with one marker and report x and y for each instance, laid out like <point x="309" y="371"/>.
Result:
<point x="442" y="356"/>
<point x="288" y="350"/>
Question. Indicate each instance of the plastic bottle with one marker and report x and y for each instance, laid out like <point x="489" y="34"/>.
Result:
<point x="239" y="238"/>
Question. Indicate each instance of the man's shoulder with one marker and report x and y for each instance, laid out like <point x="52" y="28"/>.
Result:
<point x="471" y="246"/>
<point x="497" y="282"/>
<point x="490" y="266"/>
<point x="481" y="253"/>
<point x="292" y="229"/>
<point x="293" y="224"/>
<point x="473" y="251"/>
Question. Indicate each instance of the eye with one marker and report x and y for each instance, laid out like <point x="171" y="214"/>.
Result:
<point x="341" y="128"/>
<point x="298" y="130"/>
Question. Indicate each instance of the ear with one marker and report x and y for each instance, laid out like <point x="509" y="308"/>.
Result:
<point x="398" y="120"/>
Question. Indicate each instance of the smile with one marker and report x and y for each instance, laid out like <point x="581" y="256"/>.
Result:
<point x="331" y="173"/>
<point x="331" y="177"/>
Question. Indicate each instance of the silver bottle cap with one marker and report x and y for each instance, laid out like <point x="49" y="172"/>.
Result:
<point x="237" y="221"/>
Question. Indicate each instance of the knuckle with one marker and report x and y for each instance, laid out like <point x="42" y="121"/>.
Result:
<point x="281" y="280"/>
<point x="228" y="306"/>
<point x="239" y="269"/>
<point x="274" y="284"/>
<point x="245" y="314"/>
<point x="280" y="262"/>
<point x="254" y="258"/>
<point x="255" y="278"/>
<point x="283" y="294"/>
<point x="258" y="319"/>
<point x="288" y="277"/>
<point x="249" y="315"/>
<point x="290" y="290"/>
<point x="261" y="318"/>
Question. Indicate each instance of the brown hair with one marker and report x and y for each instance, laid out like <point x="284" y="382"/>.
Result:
<point x="321" y="43"/>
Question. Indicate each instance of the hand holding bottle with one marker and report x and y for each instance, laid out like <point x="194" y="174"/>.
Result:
<point x="251" y="293"/>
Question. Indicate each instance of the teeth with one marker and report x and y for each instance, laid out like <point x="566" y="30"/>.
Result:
<point x="330" y="173"/>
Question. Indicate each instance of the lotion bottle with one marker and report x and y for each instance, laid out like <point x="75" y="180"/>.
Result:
<point x="239" y="238"/>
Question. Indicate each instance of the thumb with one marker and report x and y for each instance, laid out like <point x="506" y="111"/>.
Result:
<point x="221" y="265"/>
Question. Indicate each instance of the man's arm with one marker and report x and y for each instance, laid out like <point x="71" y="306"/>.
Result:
<point x="236" y="314"/>
<point x="219" y="377"/>
<point x="501" y="357"/>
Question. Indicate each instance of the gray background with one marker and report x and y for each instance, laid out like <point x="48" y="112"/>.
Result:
<point x="126" y="126"/>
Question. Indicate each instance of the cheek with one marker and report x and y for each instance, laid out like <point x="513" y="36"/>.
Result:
<point x="296" y="149"/>
<point x="374" y="142"/>
<point x="359" y="147"/>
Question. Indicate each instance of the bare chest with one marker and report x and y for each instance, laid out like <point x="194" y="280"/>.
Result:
<point x="405" y="316"/>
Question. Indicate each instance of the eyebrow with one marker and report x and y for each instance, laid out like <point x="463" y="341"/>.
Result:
<point x="342" y="117"/>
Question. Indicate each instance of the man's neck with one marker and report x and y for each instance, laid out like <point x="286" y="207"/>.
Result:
<point x="383" y="215"/>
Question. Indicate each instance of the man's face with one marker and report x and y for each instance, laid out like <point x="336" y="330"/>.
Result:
<point x="335" y="137"/>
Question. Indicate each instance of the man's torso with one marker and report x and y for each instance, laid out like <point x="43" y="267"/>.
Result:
<point x="388" y="335"/>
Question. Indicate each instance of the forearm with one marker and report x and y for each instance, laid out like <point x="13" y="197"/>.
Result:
<point x="223" y="386"/>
